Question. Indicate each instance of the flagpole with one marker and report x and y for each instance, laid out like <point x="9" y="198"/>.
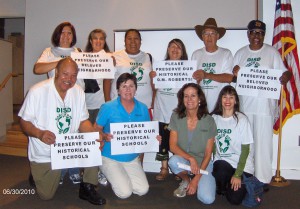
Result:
<point x="278" y="180"/>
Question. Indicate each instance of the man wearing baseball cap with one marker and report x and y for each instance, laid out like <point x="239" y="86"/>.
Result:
<point x="260" y="111"/>
<point x="214" y="63"/>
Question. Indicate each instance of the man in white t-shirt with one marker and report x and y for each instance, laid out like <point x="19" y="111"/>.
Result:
<point x="260" y="111"/>
<point x="214" y="63"/>
<point x="56" y="106"/>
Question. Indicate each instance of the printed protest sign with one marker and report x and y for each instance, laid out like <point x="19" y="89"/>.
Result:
<point x="259" y="82"/>
<point x="76" y="150"/>
<point x="173" y="74"/>
<point x="135" y="137"/>
<point x="94" y="65"/>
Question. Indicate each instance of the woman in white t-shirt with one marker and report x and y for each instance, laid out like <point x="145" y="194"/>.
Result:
<point x="164" y="103"/>
<point x="63" y="40"/>
<point x="233" y="155"/>
<point x="93" y="88"/>
<point x="134" y="61"/>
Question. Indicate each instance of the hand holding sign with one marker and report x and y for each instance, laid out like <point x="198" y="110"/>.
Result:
<point x="138" y="137"/>
<point x="107" y="137"/>
<point x="76" y="150"/>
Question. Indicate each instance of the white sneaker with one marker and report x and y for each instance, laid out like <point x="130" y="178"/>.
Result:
<point x="181" y="190"/>
<point x="102" y="179"/>
<point x="75" y="178"/>
<point x="61" y="181"/>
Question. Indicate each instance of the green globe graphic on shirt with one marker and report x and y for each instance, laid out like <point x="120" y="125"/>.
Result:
<point x="63" y="122"/>
<point x="208" y="81"/>
<point x="253" y="64"/>
<point x="224" y="143"/>
<point x="138" y="72"/>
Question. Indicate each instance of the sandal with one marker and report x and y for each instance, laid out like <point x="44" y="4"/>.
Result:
<point x="164" y="172"/>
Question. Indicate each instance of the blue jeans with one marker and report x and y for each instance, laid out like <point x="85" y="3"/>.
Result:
<point x="72" y="171"/>
<point x="206" y="191"/>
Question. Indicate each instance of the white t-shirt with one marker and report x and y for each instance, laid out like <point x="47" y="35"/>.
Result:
<point x="46" y="110"/>
<point x="139" y="65"/>
<point x="266" y="57"/>
<point x="52" y="54"/>
<point x="218" y="62"/>
<point x="231" y="136"/>
<point x="165" y="102"/>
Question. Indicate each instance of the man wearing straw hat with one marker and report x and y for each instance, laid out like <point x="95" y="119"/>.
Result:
<point x="260" y="111"/>
<point x="214" y="63"/>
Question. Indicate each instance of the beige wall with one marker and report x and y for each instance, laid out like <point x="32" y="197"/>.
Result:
<point x="12" y="8"/>
<point x="6" y="110"/>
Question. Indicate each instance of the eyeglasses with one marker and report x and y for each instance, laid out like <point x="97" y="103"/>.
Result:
<point x="206" y="34"/>
<point x="256" y="33"/>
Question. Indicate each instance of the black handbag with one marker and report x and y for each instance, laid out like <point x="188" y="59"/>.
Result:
<point x="91" y="86"/>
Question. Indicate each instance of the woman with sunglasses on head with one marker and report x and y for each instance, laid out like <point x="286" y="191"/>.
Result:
<point x="164" y="103"/>
<point x="93" y="88"/>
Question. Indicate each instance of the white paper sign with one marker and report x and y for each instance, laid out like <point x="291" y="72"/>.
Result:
<point x="173" y="74"/>
<point x="138" y="137"/>
<point x="76" y="150"/>
<point x="94" y="65"/>
<point x="259" y="82"/>
<point x="188" y="168"/>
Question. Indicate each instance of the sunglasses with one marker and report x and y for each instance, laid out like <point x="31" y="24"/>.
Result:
<point x="256" y="33"/>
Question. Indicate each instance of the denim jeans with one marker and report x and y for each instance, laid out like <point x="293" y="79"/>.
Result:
<point x="72" y="171"/>
<point x="206" y="191"/>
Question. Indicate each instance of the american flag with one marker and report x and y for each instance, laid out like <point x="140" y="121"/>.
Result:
<point x="284" y="41"/>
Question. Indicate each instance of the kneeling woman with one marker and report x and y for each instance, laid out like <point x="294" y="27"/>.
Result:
<point x="192" y="134"/>
<point x="124" y="172"/>
<point x="234" y="153"/>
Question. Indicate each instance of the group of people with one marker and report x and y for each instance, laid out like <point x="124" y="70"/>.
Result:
<point x="205" y="125"/>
